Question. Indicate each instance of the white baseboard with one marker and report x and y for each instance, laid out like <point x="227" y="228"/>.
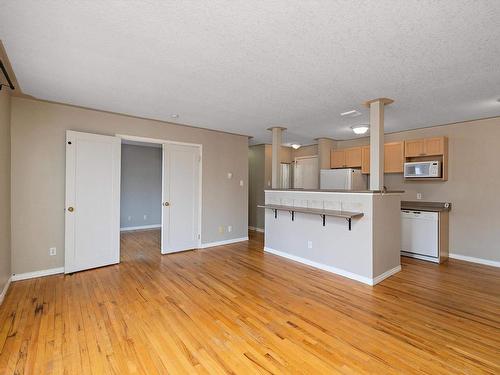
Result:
<point x="225" y="242"/>
<point x="142" y="227"/>
<point x="256" y="229"/>
<point x="335" y="270"/>
<point x="5" y="289"/>
<point x="31" y="275"/>
<point x="485" y="262"/>
<point x="386" y="274"/>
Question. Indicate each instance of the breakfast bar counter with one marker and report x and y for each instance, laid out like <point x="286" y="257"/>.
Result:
<point x="355" y="234"/>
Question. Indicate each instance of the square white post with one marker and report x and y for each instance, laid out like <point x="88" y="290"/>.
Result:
<point x="377" y="141"/>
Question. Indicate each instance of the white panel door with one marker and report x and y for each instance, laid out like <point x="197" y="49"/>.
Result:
<point x="306" y="173"/>
<point x="181" y="197"/>
<point x="92" y="223"/>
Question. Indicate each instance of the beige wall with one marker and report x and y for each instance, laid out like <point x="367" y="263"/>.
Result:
<point x="38" y="162"/>
<point x="305" y="151"/>
<point x="5" y="196"/>
<point x="473" y="184"/>
<point x="324" y="147"/>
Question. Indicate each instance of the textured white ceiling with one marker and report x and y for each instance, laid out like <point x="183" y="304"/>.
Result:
<point x="243" y="66"/>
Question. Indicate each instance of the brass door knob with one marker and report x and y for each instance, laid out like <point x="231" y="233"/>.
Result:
<point x="166" y="204"/>
<point x="71" y="209"/>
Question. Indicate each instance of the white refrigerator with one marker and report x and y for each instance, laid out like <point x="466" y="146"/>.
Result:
<point x="345" y="179"/>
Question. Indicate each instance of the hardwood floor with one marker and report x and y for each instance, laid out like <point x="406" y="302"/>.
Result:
<point x="234" y="309"/>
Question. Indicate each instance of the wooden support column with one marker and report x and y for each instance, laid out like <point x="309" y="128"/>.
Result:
<point x="377" y="141"/>
<point x="276" y="160"/>
<point x="325" y="145"/>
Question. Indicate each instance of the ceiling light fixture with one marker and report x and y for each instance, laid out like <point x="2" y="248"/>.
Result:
<point x="295" y="146"/>
<point x="360" y="129"/>
<point x="351" y="113"/>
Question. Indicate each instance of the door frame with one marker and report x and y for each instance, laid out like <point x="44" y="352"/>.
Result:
<point x="200" y="183"/>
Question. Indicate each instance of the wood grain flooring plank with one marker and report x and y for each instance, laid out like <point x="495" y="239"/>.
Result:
<point x="235" y="309"/>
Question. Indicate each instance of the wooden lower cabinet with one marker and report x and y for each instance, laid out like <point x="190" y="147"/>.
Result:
<point x="393" y="158"/>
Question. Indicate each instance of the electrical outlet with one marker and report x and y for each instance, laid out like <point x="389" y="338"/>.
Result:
<point x="268" y="183"/>
<point x="241" y="183"/>
<point x="52" y="251"/>
<point x="419" y="196"/>
<point x="145" y="217"/>
<point x="309" y="244"/>
<point x="229" y="228"/>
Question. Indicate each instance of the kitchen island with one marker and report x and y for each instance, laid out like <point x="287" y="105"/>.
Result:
<point x="356" y="234"/>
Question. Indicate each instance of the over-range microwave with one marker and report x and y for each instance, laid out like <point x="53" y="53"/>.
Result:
<point x="422" y="169"/>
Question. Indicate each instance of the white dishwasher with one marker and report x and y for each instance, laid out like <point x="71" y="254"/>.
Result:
<point x="420" y="234"/>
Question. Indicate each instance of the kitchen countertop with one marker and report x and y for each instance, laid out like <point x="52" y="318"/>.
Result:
<point x="426" y="206"/>
<point x="338" y="191"/>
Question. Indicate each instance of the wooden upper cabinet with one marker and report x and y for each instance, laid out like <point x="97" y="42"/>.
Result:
<point x="346" y="158"/>
<point x="434" y="146"/>
<point x="353" y="157"/>
<point x="365" y="159"/>
<point x="394" y="157"/>
<point x="425" y="147"/>
<point x="414" y="148"/>
<point x="337" y="159"/>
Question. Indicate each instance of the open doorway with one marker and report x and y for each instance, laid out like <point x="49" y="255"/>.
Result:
<point x="141" y="187"/>
<point x="174" y="208"/>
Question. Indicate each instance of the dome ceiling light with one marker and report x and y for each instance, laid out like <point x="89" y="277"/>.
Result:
<point x="360" y="129"/>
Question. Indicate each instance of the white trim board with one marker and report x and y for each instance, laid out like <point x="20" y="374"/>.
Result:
<point x="335" y="270"/>
<point x="32" y="275"/>
<point x="5" y="289"/>
<point x="221" y="243"/>
<point x="153" y="140"/>
<point x="486" y="262"/>
<point x="256" y="229"/>
<point x="141" y="227"/>
<point x="386" y="274"/>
